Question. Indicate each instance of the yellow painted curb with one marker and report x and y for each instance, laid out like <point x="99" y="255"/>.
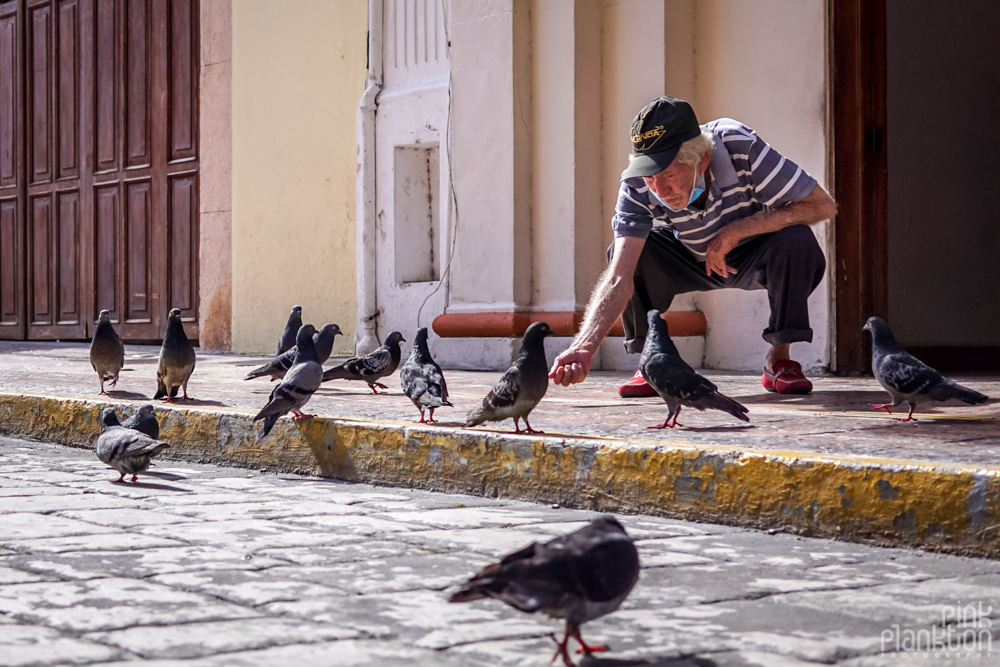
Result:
<point x="947" y="507"/>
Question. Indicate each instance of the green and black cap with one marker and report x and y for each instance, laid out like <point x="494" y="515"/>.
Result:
<point x="657" y="133"/>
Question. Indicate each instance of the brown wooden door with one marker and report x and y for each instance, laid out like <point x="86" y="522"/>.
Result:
<point x="109" y="207"/>
<point x="12" y="270"/>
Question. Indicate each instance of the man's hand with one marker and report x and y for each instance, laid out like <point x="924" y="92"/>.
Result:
<point x="571" y="367"/>
<point x="715" y="256"/>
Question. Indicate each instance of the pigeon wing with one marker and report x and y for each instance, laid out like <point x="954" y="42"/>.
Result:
<point x="504" y="393"/>
<point x="907" y="375"/>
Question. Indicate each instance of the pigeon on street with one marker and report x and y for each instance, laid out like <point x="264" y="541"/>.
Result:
<point x="298" y="386"/>
<point x="126" y="450"/>
<point x="277" y="367"/>
<point x="371" y="367"/>
<point x="287" y="339"/>
<point x="676" y="382"/>
<point x="422" y="380"/>
<point x="107" y="353"/>
<point x="176" y="360"/>
<point x="579" y="577"/>
<point x="907" y="379"/>
<point x="520" y="389"/>
<point x="144" y="421"/>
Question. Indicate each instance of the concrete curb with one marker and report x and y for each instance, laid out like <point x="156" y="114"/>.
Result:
<point x="951" y="508"/>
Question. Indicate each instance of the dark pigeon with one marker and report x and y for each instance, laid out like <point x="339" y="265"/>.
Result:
<point x="107" y="353"/>
<point x="371" y="367"/>
<point x="277" y="367"/>
<point x="287" y="339"/>
<point x="579" y="577"/>
<point x="144" y="421"/>
<point x="521" y="388"/>
<point x="126" y="450"/>
<point x="298" y="386"/>
<point x="422" y="380"/>
<point x="676" y="382"/>
<point x="907" y="379"/>
<point x="176" y="360"/>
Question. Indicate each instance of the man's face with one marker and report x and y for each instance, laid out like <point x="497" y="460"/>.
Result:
<point x="674" y="184"/>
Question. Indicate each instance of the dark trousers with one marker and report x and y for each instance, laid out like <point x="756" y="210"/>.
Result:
<point x="788" y="264"/>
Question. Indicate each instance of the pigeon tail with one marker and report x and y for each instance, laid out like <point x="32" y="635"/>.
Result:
<point x="952" y="389"/>
<point x="721" y="402"/>
<point x="269" y="423"/>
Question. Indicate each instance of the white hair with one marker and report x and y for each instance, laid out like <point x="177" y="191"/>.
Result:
<point x="692" y="150"/>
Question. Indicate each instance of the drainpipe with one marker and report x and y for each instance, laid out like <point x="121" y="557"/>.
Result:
<point x="366" y="336"/>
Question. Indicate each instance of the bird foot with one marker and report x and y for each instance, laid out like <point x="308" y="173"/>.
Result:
<point x="114" y="383"/>
<point x="882" y="406"/>
<point x="168" y="400"/>
<point x="377" y="392"/>
<point x="381" y="386"/>
<point x="584" y="648"/>
<point x="135" y="478"/>
<point x="562" y="651"/>
<point x="103" y="393"/>
<point x="665" y="424"/>
<point x="302" y="415"/>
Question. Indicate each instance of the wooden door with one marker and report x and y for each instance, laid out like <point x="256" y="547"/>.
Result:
<point x="101" y="212"/>
<point x="11" y="217"/>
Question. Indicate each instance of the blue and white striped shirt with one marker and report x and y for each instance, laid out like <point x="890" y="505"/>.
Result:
<point x="747" y="175"/>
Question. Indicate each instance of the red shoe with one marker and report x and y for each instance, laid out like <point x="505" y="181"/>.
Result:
<point x="787" y="378"/>
<point x="637" y="387"/>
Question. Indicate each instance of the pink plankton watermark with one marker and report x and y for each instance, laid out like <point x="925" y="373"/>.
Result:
<point x="965" y="632"/>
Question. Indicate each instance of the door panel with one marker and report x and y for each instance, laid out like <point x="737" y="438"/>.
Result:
<point x="39" y="89"/>
<point x="67" y="262"/>
<point x="183" y="216"/>
<point x="68" y="90"/>
<point x="107" y="235"/>
<point x="41" y="267"/>
<point x="137" y="121"/>
<point x="12" y="264"/>
<point x="137" y="240"/>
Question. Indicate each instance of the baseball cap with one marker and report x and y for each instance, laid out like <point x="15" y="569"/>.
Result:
<point x="657" y="133"/>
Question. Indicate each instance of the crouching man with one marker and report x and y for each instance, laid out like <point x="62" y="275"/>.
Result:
<point x="702" y="208"/>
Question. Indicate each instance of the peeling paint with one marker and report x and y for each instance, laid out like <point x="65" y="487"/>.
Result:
<point x="952" y="508"/>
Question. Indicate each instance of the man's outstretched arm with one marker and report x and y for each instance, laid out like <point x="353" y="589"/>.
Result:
<point x="612" y="293"/>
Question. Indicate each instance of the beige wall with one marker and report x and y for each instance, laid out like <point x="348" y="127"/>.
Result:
<point x="297" y="79"/>
<point x="215" y="280"/>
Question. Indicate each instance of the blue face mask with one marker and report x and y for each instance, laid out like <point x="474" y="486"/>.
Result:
<point x="697" y="190"/>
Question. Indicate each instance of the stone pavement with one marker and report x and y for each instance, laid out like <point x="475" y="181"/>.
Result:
<point x="200" y="565"/>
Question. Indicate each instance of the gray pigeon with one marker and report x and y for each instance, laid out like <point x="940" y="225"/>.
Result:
<point x="144" y="421"/>
<point x="907" y="379"/>
<point x="521" y="388"/>
<point x="676" y="382"/>
<point x="298" y="386"/>
<point x="422" y="380"/>
<point x="107" y="353"/>
<point x="277" y="367"/>
<point x="579" y="577"/>
<point x="371" y="367"/>
<point x="176" y="360"/>
<point x="126" y="450"/>
<point x="287" y="339"/>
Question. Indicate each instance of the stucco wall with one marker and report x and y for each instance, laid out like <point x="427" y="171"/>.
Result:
<point x="297" y="78"/>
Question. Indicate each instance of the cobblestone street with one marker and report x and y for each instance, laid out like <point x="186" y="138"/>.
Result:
<point x="202" y="565"/>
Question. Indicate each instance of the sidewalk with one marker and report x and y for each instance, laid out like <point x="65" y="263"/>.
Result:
<point x="822" y="464"/>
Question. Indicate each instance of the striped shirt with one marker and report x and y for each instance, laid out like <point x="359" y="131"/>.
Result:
<point x="747" y="176"/>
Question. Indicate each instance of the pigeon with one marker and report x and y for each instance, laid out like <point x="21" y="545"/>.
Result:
<point x="176" y="360"/>
<point x="277" y="367"/>
<point x="298" y="385"/>
<point x="371" y="367"/>
<point x="906" y="378"/>
<point x="144" y="421"/>
<point x="107" y="354"/>
<point x="287" y="339"/>
<point x="579" y="577"/>
<point x="126" y="450"/>
<point x="422" y="380"/>
<point x="676" y="382"/>
<point x="520" y="389"/>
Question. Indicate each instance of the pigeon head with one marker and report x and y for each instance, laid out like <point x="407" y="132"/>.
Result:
<point x="305" y="335"/>
<point x="175" y="315"/>
<point x="658" y="339"/>
<point x="538" y="331"/>
<point x="105" y="316"/>
<point x="331" y="330"/>
<point x="147" y="410"/>
<point x="420" y="338"/>
<point x="881" y="333"/>
<point x="608" y="523"/>
<point x="395" y="338"/>
<point x="420" y="352"/>
<point x="297" y="310"/>
<point x="109" y="418"/>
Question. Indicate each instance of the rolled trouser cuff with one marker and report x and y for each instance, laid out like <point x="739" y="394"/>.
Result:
<point x="787" y="336"/>
<point x="635" y="345"/>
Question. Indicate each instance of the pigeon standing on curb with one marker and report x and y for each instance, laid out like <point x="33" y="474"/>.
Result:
<point x="371" y="367"/>
<point x="107" y="353"/>
<point x="287" y="339"/>
<point x="521" y="388"/>
<point x="144" y="421"/>
<point x="126" y="450"/>
<point x="907" y="379"/>
<point x="176" y="360"/>
<point x="422" y="380"/>
<point x="677" y="383"/>
<point x="277" y="367"/>
<point x="298" y="386"/>
<point x="579" y="577"/>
